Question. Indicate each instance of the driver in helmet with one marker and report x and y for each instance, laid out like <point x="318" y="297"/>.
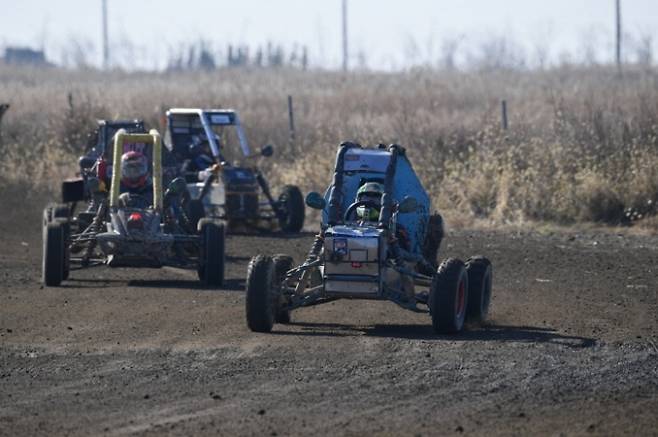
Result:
<point x="370" y="192"/>
<point x="201" y="153"/>
<point x="201" y="161"/>
<point x="136" y="184"/>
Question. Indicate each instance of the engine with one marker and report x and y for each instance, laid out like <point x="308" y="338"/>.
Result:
<point x="241" y="192"/>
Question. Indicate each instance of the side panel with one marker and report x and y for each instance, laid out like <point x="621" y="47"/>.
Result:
<point x="408" y="184"/>
<point x="216" y="195"/>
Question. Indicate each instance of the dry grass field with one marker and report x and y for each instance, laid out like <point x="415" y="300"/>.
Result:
<point x="582" y="144"/>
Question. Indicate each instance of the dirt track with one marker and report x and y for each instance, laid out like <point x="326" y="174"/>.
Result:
<point x="572" y="348"/>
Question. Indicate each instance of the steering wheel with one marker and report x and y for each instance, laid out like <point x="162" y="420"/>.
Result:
<point x="352" y="208"/>
<point x="134" y="200"/>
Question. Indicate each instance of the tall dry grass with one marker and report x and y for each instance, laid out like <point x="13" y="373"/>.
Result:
<point x="582" y="144"/>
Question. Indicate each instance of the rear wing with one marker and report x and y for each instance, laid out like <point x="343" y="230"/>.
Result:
<point x="152" y="138"/>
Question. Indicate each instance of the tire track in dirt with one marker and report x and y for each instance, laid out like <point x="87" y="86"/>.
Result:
<point x="570" y="348"/>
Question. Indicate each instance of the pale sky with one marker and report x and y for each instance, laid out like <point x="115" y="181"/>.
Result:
<point x="391" y="34"/>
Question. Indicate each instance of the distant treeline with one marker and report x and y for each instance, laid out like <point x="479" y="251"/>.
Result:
<point x="201" y="57"/>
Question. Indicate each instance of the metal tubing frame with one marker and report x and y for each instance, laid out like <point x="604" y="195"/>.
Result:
<point x="336" y="196"/>
<point x="153" y="138"/>
<point x="316" y="295"/>
<point x="387" y="202"/>
<point x="202" y="113"/>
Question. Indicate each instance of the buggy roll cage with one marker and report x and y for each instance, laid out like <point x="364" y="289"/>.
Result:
<point x="334" y="211"/>
<point x="104" y="125"/>
<point x="153" y="138"/>
<point x="206" y="124"/>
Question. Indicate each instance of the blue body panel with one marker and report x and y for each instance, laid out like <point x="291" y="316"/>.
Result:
<point x="370" y="164"/>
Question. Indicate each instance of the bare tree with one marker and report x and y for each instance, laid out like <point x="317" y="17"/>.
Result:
<point x="124" y="52"/>
<point x="499" y="52"/>
<point x="412" y="52"/>
<point x="541" y="45"/>
<point x="449" y="48"/>
<point x="592" y="40"/>
<point x="362" y="59"/>
<point x="77" y="51"/>
<point x="644" y="49"/>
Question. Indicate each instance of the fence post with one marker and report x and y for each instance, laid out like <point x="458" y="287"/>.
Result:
<point x="291" y="120"/>
<point x="503" y="109"/>
<point x="3" y="109"/>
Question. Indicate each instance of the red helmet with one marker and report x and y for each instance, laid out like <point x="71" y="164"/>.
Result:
<point x="134" y="170"/>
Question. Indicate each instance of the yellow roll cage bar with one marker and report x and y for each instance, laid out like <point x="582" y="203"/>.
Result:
<point x="153" y="138"/>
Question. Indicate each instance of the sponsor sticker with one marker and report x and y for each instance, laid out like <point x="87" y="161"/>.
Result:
<point x="340" y="246"/>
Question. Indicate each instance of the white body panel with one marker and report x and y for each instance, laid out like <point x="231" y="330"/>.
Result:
<point x="216" y="195"/>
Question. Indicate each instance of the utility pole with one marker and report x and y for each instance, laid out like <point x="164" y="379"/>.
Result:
<point x="106" y="45"/>
<point x="618" y="15"/>
<point x="345" y="56"/>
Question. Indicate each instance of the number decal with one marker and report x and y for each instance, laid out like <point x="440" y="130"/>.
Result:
<point x="134" y="147"/>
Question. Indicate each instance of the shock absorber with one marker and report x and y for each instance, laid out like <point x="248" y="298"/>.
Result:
<point x="96" y="227"/>
<point x="280" y="214"/>
<point x="316" y="248"/>
<point x="396" y="252"/>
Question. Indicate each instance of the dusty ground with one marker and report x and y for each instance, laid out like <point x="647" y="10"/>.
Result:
<point x="572" y="348"/>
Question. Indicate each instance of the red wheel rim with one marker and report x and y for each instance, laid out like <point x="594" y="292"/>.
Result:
<point x="460" y="304"/>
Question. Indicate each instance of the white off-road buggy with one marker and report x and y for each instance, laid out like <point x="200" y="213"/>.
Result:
<point x="230" y="185"/>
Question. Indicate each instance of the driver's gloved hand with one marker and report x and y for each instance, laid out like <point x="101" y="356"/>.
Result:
<point x="124" y="200"/>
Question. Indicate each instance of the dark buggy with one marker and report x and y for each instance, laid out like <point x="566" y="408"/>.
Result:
<point x="95" y="167"/>
<point x="129" y="230"/>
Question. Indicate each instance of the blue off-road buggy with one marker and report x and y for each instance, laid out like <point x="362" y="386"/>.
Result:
<point x="391" y="258"/>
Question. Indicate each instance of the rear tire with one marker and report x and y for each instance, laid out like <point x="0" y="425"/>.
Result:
<point x="259" y="302"/>
<point x="53" y="254"/>
<point x="282" y="263"/>
<point x="67" y="251"/>
<point x="449" y="297"/>
<point x="480" y="275"/>
<point x="212" y="259"/>
<point x="59" y="212"/>
<point x="55" y="211"/>
<point x="292" y="201"/>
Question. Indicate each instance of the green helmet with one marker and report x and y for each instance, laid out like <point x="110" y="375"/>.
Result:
<point x="369" y="191"/>
<point x="370" y="187"/>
